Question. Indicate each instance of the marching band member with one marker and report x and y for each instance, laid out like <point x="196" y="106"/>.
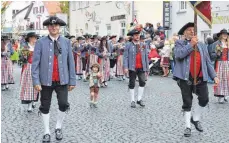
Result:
<point x="184" y="74"/>
<point x="93" y="58"/>
<point x="113" y="57"/>
<point x="136" y="63"/>
<point x="103" y="53"/>
<point x="28" y="94"/>
<point x="84" y="55"/>
<point x="6" y="63"/>
<point x="53" y="69"/>
<point x="221" y="56"/>
<point x="77" y="57"/>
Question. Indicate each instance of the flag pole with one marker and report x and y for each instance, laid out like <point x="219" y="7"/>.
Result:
<point x="195" y="48"/>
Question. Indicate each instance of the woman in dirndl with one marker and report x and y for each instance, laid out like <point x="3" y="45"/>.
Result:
<point x="103" y="53"/>
<point x="221" y="91"/>
<point x="119" y="64"/>
<point x="77" y="58"/>
<point x="165" y="54"/>
<point x="6" y="63"/>
<point x="28" y="94"/>
<point x="93" y="58"/>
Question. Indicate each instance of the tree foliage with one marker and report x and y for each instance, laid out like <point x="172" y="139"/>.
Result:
<point x="4" y="6"/>
<point x="64" y="6"/>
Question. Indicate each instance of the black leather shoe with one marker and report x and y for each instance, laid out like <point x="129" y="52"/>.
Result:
<point x="59" y="135"/>
<point x="46" y="138"/>
<point x="197" y="125"/>
<point x="133" y="105"/>
<point x="141" y="103"/>
<point x="29" y="111"/>
<point x="187" y="132"/>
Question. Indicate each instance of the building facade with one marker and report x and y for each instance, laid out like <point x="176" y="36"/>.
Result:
<point x="111" y="17"/>
<point x="28" y="16"/>
<point x="182" y="13"/>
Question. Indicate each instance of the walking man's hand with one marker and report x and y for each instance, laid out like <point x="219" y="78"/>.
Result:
<point x="38" y="88"/>
<point x="70" y="87"/>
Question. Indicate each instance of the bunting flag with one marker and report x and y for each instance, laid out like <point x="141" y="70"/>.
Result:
<point x="203" y="9"/>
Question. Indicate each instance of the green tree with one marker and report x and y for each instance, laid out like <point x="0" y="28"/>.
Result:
<point x="64" y="6"/>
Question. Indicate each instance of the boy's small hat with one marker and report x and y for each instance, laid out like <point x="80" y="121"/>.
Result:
<point x="95" y="65"/>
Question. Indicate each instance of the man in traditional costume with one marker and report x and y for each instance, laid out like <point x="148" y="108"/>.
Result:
<point x="136" y="63"/>
<point x="186" y="70"/>
<point x="113" y="58"/>
<point x="53" y="69"/>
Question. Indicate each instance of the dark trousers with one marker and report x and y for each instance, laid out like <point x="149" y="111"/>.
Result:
<point x="113" y="62"/>
<point x="84" y="62"/>
<point x="141" y="78"/>
<point x="187" y="88"/>
<point x="46" y="96"/>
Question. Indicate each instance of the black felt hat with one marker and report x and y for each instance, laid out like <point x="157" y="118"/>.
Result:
<point x="54" y="20"/>
<point x="103" y="38"/>
<point x="223" y="31"/>
<point x="120" y="39"/>
<point x="113" y="36"/>
<point x="142" y="37"/>
<point x="70" y="37"/>
<point x="181" y="31"/>
<point x="87" y="36"/>
<point x="94" y="37"/>
<point x="30" y="34"/>
<point x="133" y="32"/>
<point x="4" y="38"/>
<point x="80" y="38"/>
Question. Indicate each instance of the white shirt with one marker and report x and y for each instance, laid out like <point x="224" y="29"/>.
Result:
<point x="31" y="48"/>
<point x="53" y="39"/>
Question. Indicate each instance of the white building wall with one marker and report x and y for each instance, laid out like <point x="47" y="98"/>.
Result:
<point x="180" y="18"/>
<point x="220" y="15"/>
<point x="15" y="5"/>
<point x="149" y="11"/>
<point x="43" y="16"/>
<point x="102" y="14"/>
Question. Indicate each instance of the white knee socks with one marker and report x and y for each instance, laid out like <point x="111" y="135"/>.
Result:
<point x="46" y="123"/>
<point x="30" y="106"/>
<point x="140" y="93"/>
<point x="60" y="119"/>
<point x="84" y="74"/>
<point x="132" y="95"/>
<point x="197" y="113"/>
<point x="187" y="116"/>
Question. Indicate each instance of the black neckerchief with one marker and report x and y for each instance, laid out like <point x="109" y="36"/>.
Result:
<point x="57" y="48"/>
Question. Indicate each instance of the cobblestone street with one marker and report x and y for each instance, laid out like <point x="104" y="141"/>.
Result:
<point x="161" y="121"/>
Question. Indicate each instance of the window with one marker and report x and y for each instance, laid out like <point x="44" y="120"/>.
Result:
<point x="36" y="25"/>
<point x="87" y="4"/>
<point x="35" y="10"/>
<point x="123" y="28"/>
<point x="97" y="30"/>
<point x="183" y="5"/>
<point x="108" y="29"/>
<point x="86" y="26"/>
<point x="80" y="4"/>
<point x="41" y="9"/>
<point x="97" y="3"/>
<point x="73" y="5"/>
<point x="15" y="11"/>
